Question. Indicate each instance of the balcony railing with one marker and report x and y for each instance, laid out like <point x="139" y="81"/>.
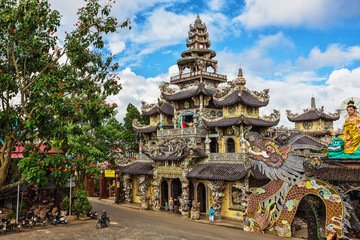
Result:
<point x="199" y="132"/>
<point x="226" y="157"/>
<point x="190" y="75"/>
<point x="212" y="158"/>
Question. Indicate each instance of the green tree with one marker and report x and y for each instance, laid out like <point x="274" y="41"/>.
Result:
<point x="129" y="137"/>
<point x="43" y="98"/>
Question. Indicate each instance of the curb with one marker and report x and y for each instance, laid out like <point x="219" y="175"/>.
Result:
<point x="202" y="221"/>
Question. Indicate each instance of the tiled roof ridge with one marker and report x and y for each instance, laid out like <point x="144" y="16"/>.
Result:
<point x="311" y="114"/>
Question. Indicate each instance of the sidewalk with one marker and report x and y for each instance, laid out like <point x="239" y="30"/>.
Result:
<point x="225" y="222"/>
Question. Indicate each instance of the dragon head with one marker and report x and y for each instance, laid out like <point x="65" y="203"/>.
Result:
<point x="336" y="145"/>
<point x="266" y="150"/>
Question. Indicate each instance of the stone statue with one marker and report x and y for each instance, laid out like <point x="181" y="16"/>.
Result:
<point x="351" y="129"/>
<point x="347" y="145"/>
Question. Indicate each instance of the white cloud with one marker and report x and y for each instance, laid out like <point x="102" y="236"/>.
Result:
<point x="136" y="88"/>
<point x="335" y="55"/>
<point x="308" y="13"/>
<point x="298" y="77"/>
<point x="163" y="28"/>
<point x="296" y="96"/>
<point x="215" y="5"/>
<point x="116" y="46"/>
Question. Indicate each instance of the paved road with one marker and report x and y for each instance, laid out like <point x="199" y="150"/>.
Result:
<point x="127" y="223"/>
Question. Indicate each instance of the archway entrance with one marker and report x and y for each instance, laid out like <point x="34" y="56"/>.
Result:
<point x="176" y="190"/>
<point x="309" y="219"/>
<point x="201" y="197"/>
<point x="353" y="198"/>
<point x="164" y="192"/>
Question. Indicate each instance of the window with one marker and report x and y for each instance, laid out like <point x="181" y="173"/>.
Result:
<point x="230" y="145"/>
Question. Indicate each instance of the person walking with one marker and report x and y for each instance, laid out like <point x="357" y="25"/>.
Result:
<point x="176" y="202"/>
<point x="211" y="215"/>
<point x="171" y="203"/>
<point x="166" y="206"/>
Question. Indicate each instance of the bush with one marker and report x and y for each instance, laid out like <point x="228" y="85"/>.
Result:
<point x="81" y="202"/>
<point x="64" y="205"/>
<point x="11" y="215"/>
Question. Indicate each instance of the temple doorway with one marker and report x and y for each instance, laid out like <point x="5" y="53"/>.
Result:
<point x="176" y="190"/>
<point x="214" y="147"/>
<point x="201" y="195"/>
<point x="309" y="219"/>
<point x="164" y="192"/>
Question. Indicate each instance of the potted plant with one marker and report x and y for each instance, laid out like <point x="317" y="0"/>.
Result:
<point x="64" y="205"/>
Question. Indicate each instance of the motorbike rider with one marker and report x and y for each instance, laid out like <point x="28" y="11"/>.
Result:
<point x="104" y="217"/>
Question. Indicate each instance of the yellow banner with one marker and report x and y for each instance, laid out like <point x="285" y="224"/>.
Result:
<point x="110" y="173"/>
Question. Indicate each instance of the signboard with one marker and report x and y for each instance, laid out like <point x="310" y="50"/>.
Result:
<point x="110" y="173"/>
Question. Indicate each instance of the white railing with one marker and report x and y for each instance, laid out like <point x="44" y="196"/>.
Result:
<point x="193" y="74"/>
<point x="181" y="131"/>
<point x="226" y="157"/>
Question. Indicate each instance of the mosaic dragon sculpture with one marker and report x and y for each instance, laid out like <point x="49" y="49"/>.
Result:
<point x="273" y="207"/>
<point x="336" y="149"/>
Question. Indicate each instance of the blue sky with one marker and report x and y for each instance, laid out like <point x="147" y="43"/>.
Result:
<point x="297" y="49"/>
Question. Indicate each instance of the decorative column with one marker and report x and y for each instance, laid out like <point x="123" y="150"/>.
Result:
<point x="217" y="190"/>
<point x="90" y="182"/>
<point x="127" y="188"/>
<point x="143" y="189"/>
<point x="207" y="144"/>
<point x="185" y="195"/>
<point x="117" y="187"/>
<point x="155" y="198"/>
<point x="101" y="184"/>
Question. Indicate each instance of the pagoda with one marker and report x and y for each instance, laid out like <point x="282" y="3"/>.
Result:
<point x="241" y="111"/>
<point x="314" y="122"/>
<point x="192" y="91"/>
<point x="207" y="145"/>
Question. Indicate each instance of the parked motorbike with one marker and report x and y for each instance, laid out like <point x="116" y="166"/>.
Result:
<point x="57" y="218"/>
<point x="7" y="225"/>
<point x="92" y="215"/>
<point x="37" y="221"/>
<point x="103" y="221"/>
<point x="50" y="218"/>
<point x="25" y="222"/>
<point x="2" y="227"/>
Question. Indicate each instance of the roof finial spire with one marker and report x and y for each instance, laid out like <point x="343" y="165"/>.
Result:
<point x="240" y="80"/>
<point x="313" y="105"/>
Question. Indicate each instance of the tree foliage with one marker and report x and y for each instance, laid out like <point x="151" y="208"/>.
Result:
<point x="130" y="137"/>
<point x="50" y="93"/>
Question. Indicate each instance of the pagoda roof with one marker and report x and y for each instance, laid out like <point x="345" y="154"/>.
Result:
<point x="183" y="94"/>
<point x="192" y="59"/>
<point x="306" y="140"/>
<point x="161" y="107"/>
<point x="187" y="53"/>
<point x="144" y="129"/>
<point x="138" y="168"/>
<point x="343" y="172"/>
<point x="225" y="122"/>
<point x="311" y="115"/>
<point x="218" y="171"/>
<point x="240" y="96"/>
